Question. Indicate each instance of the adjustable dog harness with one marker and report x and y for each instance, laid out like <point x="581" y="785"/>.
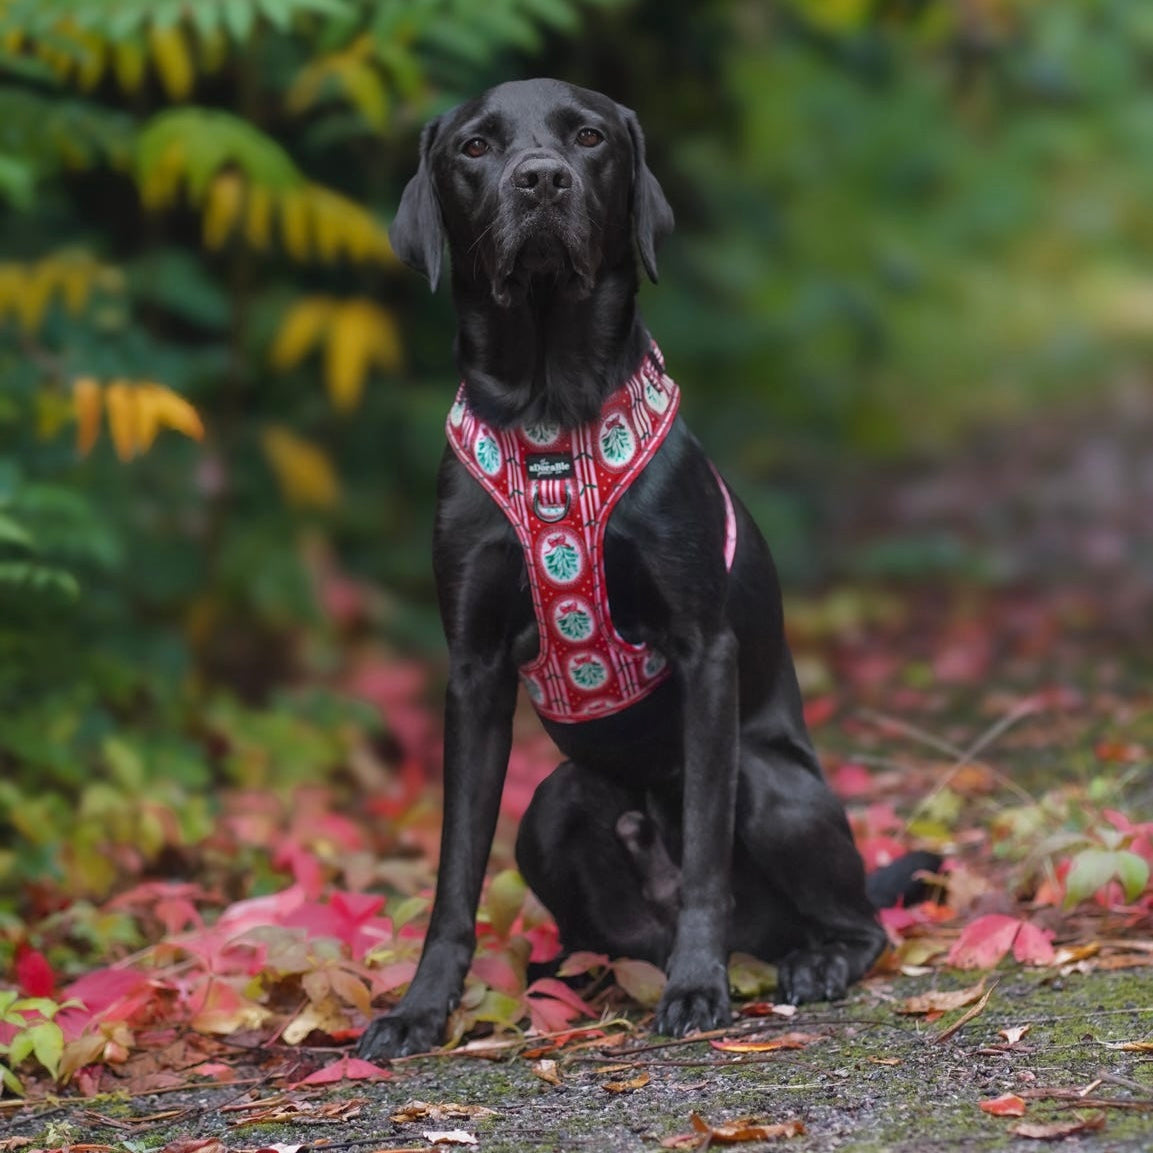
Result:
<point x="557" y="487"/>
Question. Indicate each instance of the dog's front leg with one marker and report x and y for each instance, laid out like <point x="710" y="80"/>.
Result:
<point x="697" y="993"/>
<point x="478" y="735"/>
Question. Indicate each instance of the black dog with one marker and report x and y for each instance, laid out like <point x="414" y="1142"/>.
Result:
<point x="695" y="821"/>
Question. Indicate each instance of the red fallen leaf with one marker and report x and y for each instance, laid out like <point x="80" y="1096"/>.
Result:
<point x="346" y="1069"/>
<point x="766" y="1009"/>
<point x="818" y="710"/>
<point x="1033" y="946"/>
<point x="33" y="973"/>
<point x="1057" y="1129"/>
<point x="851" y="780"/>
<point x="984" y="942"/>
<point x="1008" y="1105"/>
<point x="785" y="1041"/>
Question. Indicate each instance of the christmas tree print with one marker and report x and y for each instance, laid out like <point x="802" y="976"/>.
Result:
<point x="655" y="396"/>
<point x="541" y="434"/>
<point x="561" y="558"/>
<point x="488" y="453"/>
<point x="573" y="621"/>
<point x="617" y="444"/>
<point x="587" y="672"/>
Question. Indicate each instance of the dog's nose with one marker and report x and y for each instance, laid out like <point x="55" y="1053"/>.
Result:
<point x="544" y="178"/>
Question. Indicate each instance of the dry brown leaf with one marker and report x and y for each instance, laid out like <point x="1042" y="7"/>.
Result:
<point x="744" y="1129"/>
<point x="966" y="1017"/>
<point x="1014" y="1033"/>
<point x="885" y="1060"/>
<point x="546" y="1070"/>
<point x="637" y="1082"/>
<point x="7" y="1144"/>
<point x="450" y="1137"/>
<point x="1058" y="1129"/>
<point x="1130" y="1046"/>
<point x="448" y="1111"/>
<point x="943" y="1002"/>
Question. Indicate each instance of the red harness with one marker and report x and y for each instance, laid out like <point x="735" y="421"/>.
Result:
<point x="557" y="487"/>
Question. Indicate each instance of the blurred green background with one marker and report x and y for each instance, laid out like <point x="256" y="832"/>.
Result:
<point x="903" y="226"/>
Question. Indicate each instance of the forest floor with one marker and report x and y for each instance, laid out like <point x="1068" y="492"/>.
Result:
<point x="977" y="710"/>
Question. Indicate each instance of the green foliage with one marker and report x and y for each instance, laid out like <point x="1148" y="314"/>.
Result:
<point x="35" y="1035"/>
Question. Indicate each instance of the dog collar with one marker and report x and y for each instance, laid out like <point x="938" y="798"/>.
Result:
<point x="557" y="487"/>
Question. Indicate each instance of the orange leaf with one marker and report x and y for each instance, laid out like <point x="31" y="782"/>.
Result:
<point x="89" y="402"/>
<point x="786" y="1041"/>
<point x="637" y="1082"/>
<point x="1009" y="1105"/>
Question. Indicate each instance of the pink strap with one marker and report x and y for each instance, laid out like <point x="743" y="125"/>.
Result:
<point x="730" y="520"/>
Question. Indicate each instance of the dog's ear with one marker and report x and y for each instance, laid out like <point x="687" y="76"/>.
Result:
<point x="417" y="232"/>
<point x="652" y="216"/>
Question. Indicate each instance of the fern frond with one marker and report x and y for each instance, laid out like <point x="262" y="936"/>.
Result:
<point x="48" y="133"/>
<point x="68" y="277"/>
<point x="22" y="575"/>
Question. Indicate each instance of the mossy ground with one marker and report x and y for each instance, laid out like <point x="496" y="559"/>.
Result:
<point x="876" y="1081"/>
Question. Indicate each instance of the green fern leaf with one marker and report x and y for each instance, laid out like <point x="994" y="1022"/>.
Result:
<point x="13" y="532"/>
<point x="211" y="139"/>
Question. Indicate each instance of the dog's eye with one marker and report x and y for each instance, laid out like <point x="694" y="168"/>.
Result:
<point x="475" y="147"/>
<point x="589" y="137"/>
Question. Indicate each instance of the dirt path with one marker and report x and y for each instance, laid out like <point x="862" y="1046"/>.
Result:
<point x="873" y="1079"/>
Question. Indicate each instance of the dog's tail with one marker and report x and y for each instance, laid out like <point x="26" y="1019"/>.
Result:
<point x="903" y="882"/>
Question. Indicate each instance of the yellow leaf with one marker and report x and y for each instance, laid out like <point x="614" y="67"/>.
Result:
<point x="75" y="278"/>
<point x="92" y="62"/>
<point x="349" y="353"/>
<point x="172" y="60"/>
<point x="87" y="398"/>
<point x="37" y="288"/>
<point x="128" y="60"/>
<point x="53" y="411"/>
<point x="172" y="410"/>
<point x="304" y="472"/>
<point x="294" y="220"/>
<point x="300" y="329"/>
<point x="11" y="289"/>
<point x="213" y="50"/>
<point x="120" y="401"/>
<point x="258" y="218"/>
<point x="327" y="224"/>
<point x="224" y="202"/>
<point x="386" y="343"/>
<point x="366" y="91"/>
<point x="161" y="186"/>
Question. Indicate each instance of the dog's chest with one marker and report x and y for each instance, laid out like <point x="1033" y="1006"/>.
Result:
<point x="558" y="488"/>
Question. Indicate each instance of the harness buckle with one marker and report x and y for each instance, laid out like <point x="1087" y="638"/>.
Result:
<point x="551" y="513"/>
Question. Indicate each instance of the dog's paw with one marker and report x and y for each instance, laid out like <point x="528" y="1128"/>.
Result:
<point x="692" y="1009"/>
<point x="400" y="1034"/>
<point x="813" y="975"/>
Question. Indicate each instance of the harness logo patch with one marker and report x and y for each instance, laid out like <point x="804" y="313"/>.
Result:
<point x="562" y="557"/>
<point x="587" y="671"/>
<point x="573" y="619"/>
<point x="617" y="444"/>
<point x="548" y="465"/>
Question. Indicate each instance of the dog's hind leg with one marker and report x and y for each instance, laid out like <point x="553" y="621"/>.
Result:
<point x="799" y="882"/>
<point x="587" y="849"/>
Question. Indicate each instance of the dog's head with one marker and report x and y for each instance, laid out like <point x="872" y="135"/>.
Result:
<point x="535" y="180"/>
